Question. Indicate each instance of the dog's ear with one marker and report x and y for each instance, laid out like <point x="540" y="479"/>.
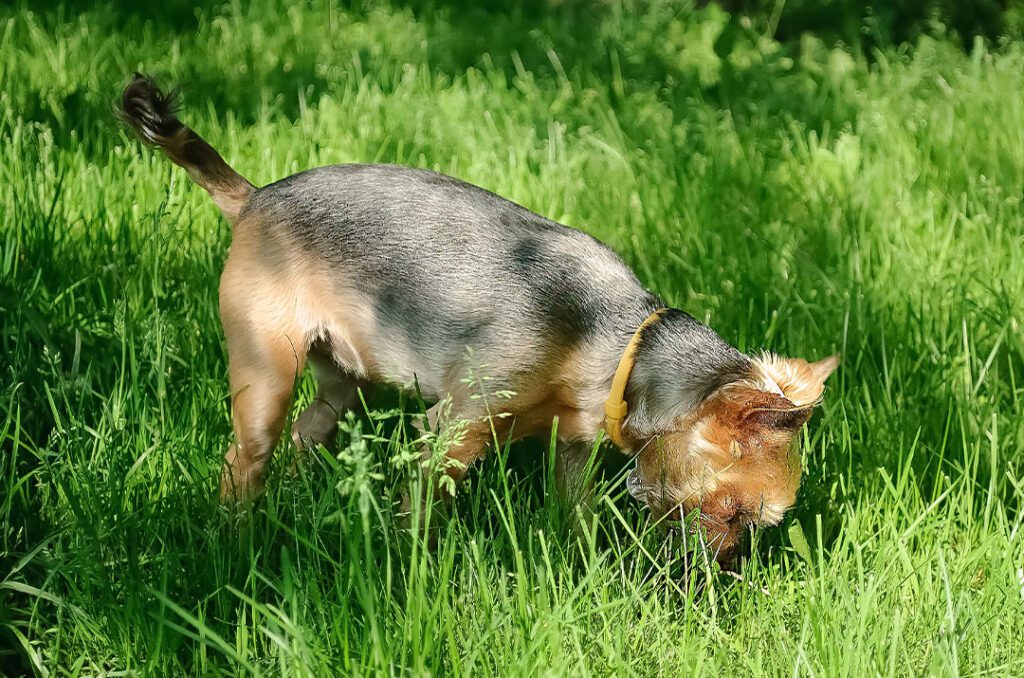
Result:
<point x="751" y="409"/>
<point x="784" y="416"/>
<point x="798" y="381"/>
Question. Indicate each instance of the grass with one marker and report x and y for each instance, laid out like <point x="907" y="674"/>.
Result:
<point x="796" y="197"/>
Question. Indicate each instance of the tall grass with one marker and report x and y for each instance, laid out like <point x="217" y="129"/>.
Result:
<point x="796" y="197"/>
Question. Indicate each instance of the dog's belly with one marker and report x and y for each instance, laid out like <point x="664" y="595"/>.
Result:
<point x="330" y="310"/>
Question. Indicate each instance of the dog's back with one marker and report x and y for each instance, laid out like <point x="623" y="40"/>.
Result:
<point x="448" y="266"/>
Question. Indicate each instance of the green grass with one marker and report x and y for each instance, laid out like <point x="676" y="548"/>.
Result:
<point x="796" y="197"/>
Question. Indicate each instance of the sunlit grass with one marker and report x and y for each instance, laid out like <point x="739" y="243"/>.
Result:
<point x="796" y="198"/>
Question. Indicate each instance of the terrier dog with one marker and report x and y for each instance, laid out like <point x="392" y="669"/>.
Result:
<point x="388" y="274"/>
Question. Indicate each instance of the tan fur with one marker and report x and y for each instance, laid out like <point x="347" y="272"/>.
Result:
<point x="730" y="460"/>
<point x="798" y="380"/>
<point x="229" y="190"/>
<point x="273" y="311"/>
<point x="560" y="392"/>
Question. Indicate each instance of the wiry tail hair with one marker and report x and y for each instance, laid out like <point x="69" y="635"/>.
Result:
<point x="152" y="113"/>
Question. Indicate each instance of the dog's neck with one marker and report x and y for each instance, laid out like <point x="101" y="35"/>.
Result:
<point x="679" y="362"/>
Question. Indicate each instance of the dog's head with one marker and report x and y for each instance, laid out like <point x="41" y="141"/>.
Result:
<point x="733" y="461"/>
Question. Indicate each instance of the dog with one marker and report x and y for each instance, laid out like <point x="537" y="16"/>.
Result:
<point x="389" y="274"/>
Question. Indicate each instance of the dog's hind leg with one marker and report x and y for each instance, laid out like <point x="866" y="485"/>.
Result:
<point x="267" y="349"/>
<point x="262" y="369"/>
<point x="336" y="392"/>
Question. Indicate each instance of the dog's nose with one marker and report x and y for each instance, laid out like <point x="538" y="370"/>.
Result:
<point x="636" y="487"/>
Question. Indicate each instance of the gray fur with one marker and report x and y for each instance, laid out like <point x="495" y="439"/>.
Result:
<point x="679" y="363"/>
<point x="452" y="267"/>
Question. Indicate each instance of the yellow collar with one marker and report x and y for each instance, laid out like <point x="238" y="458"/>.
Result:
<point x="615" y="407"/>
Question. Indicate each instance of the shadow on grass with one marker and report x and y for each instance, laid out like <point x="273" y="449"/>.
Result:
<point x="586" y="43"/>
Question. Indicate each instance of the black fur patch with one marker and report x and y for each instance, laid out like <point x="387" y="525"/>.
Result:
<point x="557" y="288"/>
<point x="418" y="311"/>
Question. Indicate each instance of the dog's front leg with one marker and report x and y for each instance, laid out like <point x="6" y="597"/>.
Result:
<point x="471" y="438"/>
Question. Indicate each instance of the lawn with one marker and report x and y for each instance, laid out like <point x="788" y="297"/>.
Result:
<point x="798" y="196"/>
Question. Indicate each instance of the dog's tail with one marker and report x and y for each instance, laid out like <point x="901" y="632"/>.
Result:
<point x="152" y="114"/>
